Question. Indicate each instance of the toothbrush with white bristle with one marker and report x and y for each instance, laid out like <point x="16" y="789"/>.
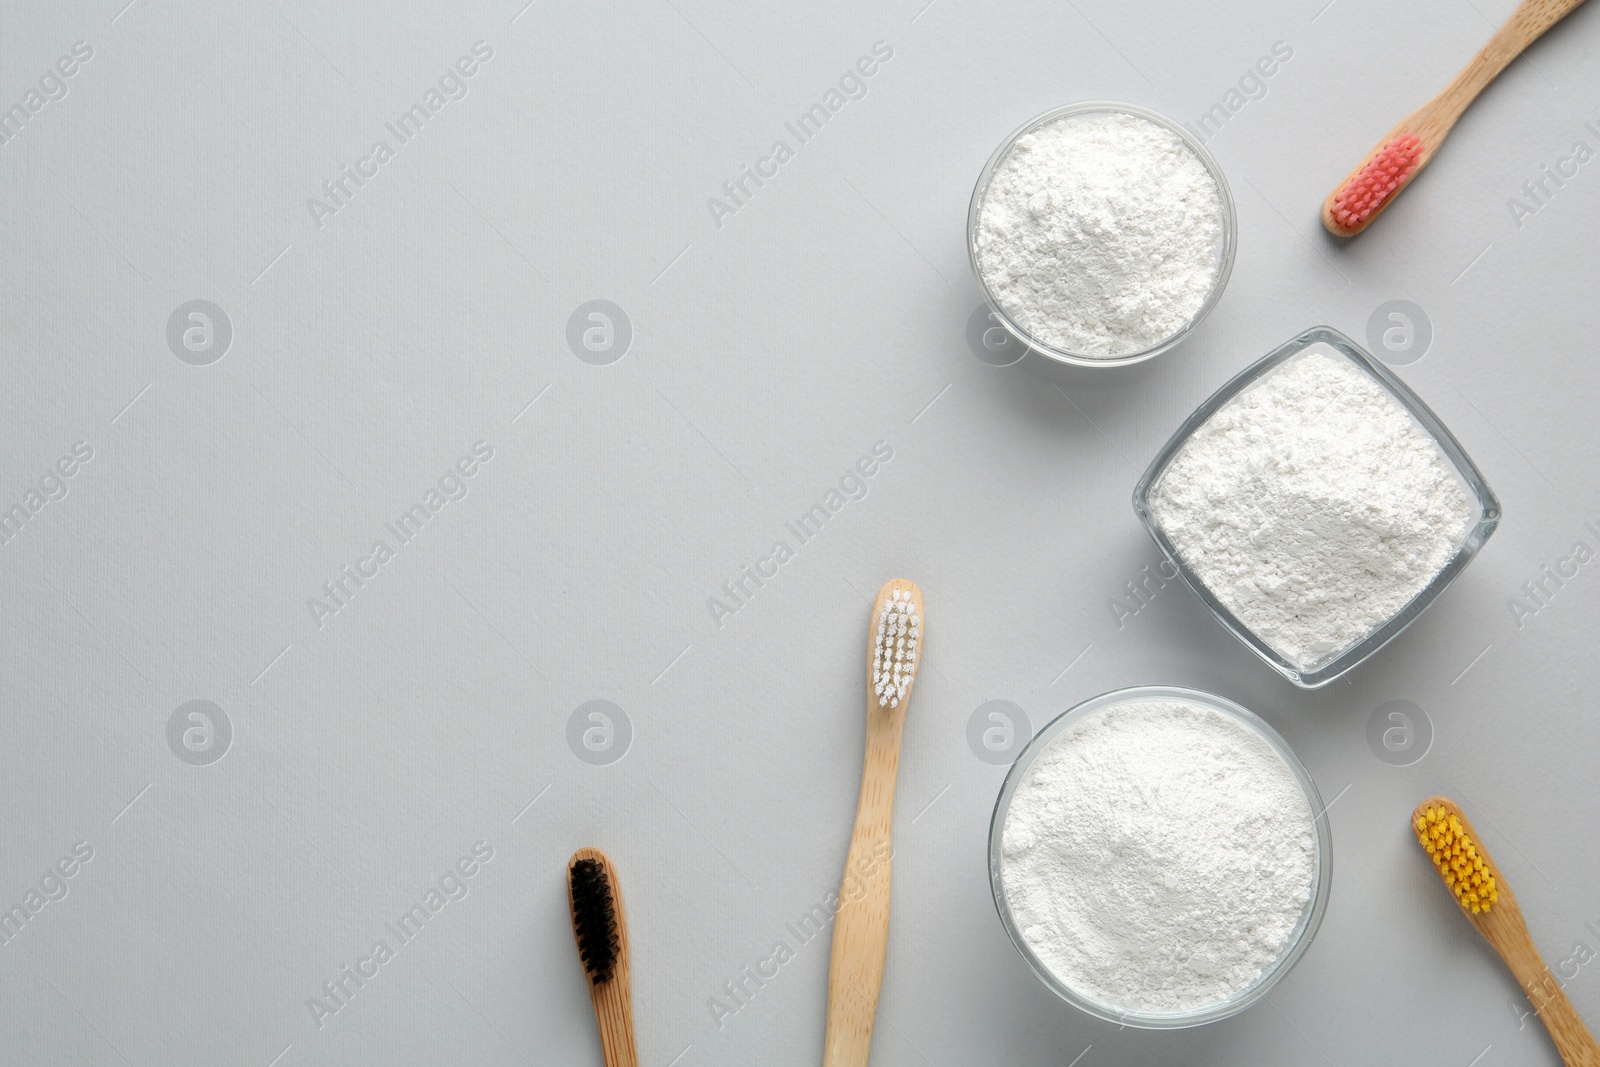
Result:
<point x="861" y="927"/>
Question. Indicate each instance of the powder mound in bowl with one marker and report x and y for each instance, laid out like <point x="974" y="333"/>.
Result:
<point x="1313" y="506"/>
<point x="1158" y="856"/>
<point x="1100" y="234"/>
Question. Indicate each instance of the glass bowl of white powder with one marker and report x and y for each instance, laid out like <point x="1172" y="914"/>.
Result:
<point x="1160" y="857"/>
<point x="1316" y="506"/>
<point x="1101" y="233"/>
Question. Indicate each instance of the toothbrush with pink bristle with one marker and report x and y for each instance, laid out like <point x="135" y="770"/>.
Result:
<point x="1407" y="148"/>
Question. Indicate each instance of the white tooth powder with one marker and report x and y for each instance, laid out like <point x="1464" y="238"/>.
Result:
<point x="1100" y="234"/>
<point x="1313" y="506"/>
<point x="1158" y="855"/>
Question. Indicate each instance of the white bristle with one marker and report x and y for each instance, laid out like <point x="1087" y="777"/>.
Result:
<point x="894" y="649"/>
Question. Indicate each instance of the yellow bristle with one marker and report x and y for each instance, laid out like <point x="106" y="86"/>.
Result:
<point x="1456" y="857"/>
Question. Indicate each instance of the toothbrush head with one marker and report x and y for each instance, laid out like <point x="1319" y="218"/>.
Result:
<point x="1444" y="835"/>
<point x="1371" y="186"/>
<point x="896" y="642"/>
<point x="594" y="917"/>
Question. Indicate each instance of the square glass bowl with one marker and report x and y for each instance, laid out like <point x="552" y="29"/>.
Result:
<point x="1328" y="341"/>
<point x="1293" y="948"/>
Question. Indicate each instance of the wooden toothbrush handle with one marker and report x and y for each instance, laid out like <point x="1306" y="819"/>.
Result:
<point x="1565" y="1026"/>
<point x="861" y="925"/>
<point x="613" y="1013"/>
<point x="1527" y="24"/>
<point x="1504" y="928"/>
<point x="1532" y="18"/>
<point x="1567" y="1030"/>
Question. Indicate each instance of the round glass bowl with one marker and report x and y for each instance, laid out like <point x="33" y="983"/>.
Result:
<point x="1294" y="947"/>
<point x="1225" y="254"/>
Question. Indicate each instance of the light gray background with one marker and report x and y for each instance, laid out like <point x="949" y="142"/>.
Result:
<point x="768" y="355"/>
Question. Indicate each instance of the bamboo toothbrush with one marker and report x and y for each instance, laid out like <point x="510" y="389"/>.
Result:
<point x="601" y="929"/>
<point x="861" y="928"/>
<point x="1486" y="899"/>
<point x="1407" y="148"/>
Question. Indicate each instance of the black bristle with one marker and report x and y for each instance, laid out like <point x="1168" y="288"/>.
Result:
<point x="594" y="918"/>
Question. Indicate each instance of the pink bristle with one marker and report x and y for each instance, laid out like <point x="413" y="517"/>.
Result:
<point x="1358" y="199"/>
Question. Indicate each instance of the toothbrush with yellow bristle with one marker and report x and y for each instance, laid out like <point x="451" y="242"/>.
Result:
<point x="1489" y="905"/>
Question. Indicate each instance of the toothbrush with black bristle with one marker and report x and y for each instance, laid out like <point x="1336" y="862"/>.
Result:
<point x="601" y="929"/>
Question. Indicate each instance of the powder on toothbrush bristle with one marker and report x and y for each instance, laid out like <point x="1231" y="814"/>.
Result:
<point x="894" y="649"/>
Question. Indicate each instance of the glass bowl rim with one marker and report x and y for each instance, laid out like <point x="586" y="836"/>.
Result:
<point x="1294" y="948"/>
<point x="1225" y="258"/>
<point x="1489" y="510"/>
